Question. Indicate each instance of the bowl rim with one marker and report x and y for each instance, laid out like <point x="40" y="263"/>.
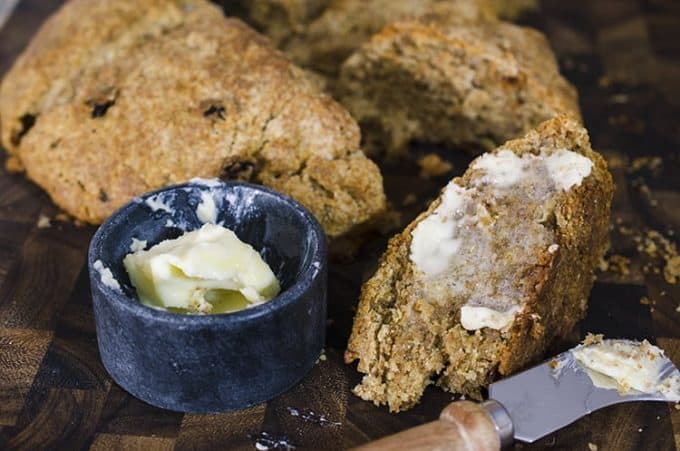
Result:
<point x="312" y="271"/>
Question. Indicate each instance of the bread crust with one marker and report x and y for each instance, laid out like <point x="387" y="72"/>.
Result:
<point x="401" y="352"/>
<point x="125" y="98"/>
<point x="512" y="9"/>
<point x="477" y="84"/>
<point x="345" y="25"/>
<point x="321" y="34"/>
<point x="280" y="20"/>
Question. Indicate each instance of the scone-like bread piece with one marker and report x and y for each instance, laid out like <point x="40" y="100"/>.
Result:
<point x="321" y="34"/>
<point x="278" y="19"/>
<point x="346" y="24"/>
<point x="512" y="9"/>
<point x="473" y="85"/>
<point x="497" y="268"/>
<point x="112" y="99"/>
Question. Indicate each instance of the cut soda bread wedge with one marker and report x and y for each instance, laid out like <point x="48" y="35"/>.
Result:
<point x="497" y="268"/>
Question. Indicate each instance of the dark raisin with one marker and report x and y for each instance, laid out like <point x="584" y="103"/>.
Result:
<point x="103" y="196"/>
<point x="238" y="170"/>
<point x="100" y="109"/>
<point x="27" y="122"/>
<point x="215" y="110"/>
<point x="55" y="143"/>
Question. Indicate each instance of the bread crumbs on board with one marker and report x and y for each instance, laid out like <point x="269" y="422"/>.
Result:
<point x="661" y="254"/>
<point x="432" y="165"/>
<point x="409" y="199"/>
<point x="617" y="264"/>
<point x="44" y="222"/>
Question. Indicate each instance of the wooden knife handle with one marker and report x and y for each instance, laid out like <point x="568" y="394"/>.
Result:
<point x="462" y="426"/>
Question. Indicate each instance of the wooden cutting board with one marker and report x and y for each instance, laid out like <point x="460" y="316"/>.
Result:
<point x="624" y="57"/>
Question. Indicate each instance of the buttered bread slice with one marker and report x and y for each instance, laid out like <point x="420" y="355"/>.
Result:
<point x="497" y="268"/>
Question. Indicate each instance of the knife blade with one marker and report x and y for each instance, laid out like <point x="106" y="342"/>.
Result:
<point x="556" y="393"/>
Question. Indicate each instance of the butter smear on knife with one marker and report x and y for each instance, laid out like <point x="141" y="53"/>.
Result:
<point x="208" y="270"/>
<point x="628" y="365"/>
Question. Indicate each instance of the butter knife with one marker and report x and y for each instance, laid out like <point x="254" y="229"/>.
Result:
<point x="523" y="407"/>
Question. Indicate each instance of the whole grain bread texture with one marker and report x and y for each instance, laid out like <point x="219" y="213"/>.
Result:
<point x="472" y="85"/>
<point x="404" y="339"/>
<point x="345" y="25"/>
<point x="113" y="99"/>
<point x="512" y="9"/>
<point x="321" y="34"/>
<point x="280" y="20"/>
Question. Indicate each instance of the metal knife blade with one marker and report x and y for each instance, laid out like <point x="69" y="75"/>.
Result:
<point x="557" y="393"/>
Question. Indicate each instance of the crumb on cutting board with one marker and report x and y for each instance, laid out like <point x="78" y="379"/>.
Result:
<point x="617" y="264"/>
<point x="660" y="254"/>
<point x="645" y="163"/>
<point x="44" y="222"/>
<point x="410" y="199"/>
<point x="432" y="165"/>
<point x="672" y="270"/>
<point x="322" y="356"/>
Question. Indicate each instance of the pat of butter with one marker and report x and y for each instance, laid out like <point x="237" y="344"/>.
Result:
<point x="208" y="270"/>
<point x="627" y="365"/>
<point x="504" y="169"/>
<point x="435" y="239"/>
<point x="477" y="317"/>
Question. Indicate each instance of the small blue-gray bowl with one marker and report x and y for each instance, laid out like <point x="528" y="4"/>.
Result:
<point x="221" y="362"/>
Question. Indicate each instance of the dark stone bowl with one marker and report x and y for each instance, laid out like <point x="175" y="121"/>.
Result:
<point x="222" y="362"/>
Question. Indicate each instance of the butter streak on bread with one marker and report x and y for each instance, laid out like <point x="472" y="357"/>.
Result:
<point x="115" y="98"/>
<point x="497" y="268"/>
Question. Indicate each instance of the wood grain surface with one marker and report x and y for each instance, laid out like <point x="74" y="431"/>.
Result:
<point x="624" y="57"/>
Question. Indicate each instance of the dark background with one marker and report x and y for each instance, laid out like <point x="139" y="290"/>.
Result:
<point x="624" y="57"/>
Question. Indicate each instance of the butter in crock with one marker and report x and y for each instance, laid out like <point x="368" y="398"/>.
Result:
<point x="209" y="270"/>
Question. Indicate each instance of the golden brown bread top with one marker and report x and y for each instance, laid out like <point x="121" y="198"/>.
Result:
<point x="130" y="96"/>
<point x="320" y="34"/>
<point x="278" y="19"/>
<point x="347" y="24"/>
<point x="478" y="83"/>
<point x="513" y="51"/>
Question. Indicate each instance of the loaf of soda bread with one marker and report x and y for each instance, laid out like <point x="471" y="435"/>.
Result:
<point x="115" y="98"/>
<point x="345" y="25"/>
<point x="512" y="9"/>
<point x="472" y="85"/>
<point x="280" y="20"/>
<point x="497" y="268"/>
<point x="321" y="34"/>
